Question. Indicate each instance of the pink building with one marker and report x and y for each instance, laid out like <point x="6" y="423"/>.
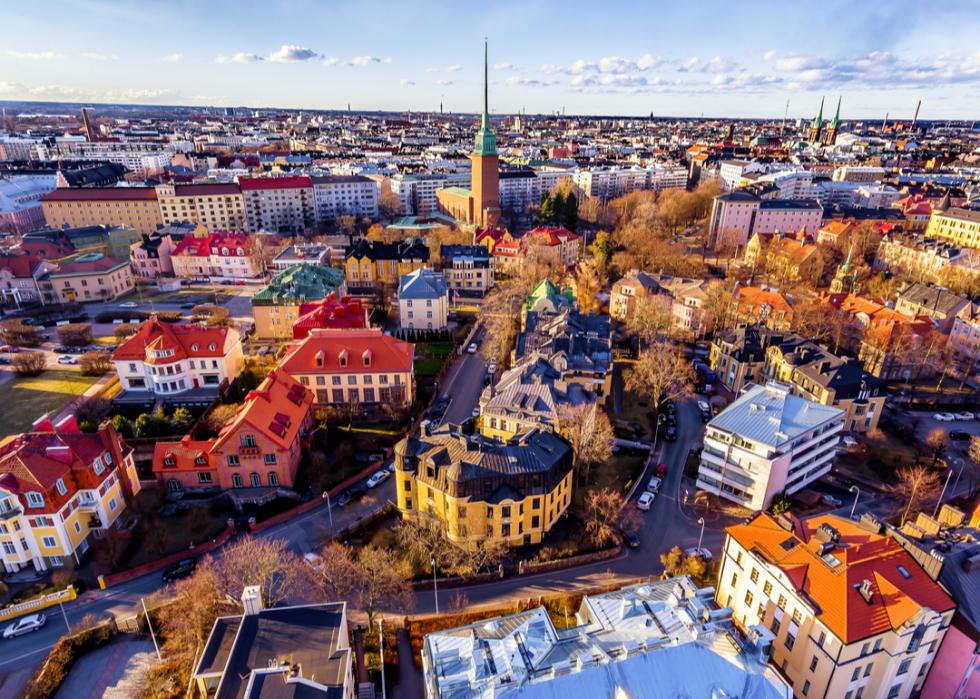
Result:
<point x="151" y="256"/>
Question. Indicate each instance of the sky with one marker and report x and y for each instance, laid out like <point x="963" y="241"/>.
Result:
<point x="740" y="58"/>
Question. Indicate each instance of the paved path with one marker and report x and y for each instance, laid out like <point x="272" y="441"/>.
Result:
<point x="102" y="672"/>
<point x="410" y="684"/>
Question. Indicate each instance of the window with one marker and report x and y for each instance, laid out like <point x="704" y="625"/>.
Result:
<point x="895" y="691"/>
<point x="867" y="669"/>
<point x="204" y="477"/>
<point x="806" y="687"/>
<point x="78" y="527"/>
<point x="734" y="579"/>
<point x="248" y="441"/>
<point x="112" y="504"/>
<point x="233" y="459"/>
<point x="35" y="500"/>
<point x="60" y="485"/>
<point x="273" y="479"/>
<point x="256" y="480"/>
<point x="754" y="576"/>
<point x="236" y="480"/>
<point x="864" y="648"/>
<point x="813" y="663"/>
<point x="748" y="598"/>
<point x="270" y="459"/>
<point x="97" y="466"/>
<point x="855" y="674"/>
<point x="822" y="638"/>
<point x="48" y="542"/>
<point x="767" y="588"/>
<point x="781" y="602"/>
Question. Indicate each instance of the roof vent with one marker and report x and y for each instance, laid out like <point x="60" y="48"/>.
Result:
<point x="866" y="591"/>
<point x="827" y="534"/>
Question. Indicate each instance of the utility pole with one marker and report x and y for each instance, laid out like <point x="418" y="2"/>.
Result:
<point x="435" y="585"/>
<point x="381" y="643"/>
<point x="149" y="625"/>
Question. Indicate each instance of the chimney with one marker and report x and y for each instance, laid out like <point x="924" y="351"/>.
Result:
<point x="252" y="600"/>
<point x="59" y="453"/>
<point x="67" y="425"/>
<point x="866" y="591"/>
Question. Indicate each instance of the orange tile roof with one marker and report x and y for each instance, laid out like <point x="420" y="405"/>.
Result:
<point x="321" y="351"/>
<point x="753" y="297"/>
<point x="832" y="592"/>
<point x="277" y="409"/>
<point x="184" y="453"/>
<point x="188" y="340"/>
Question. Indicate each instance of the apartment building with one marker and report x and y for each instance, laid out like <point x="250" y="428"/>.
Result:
<point x="853" y="615"/>
<point x="278" y="204"/>
<point x="362" y="369"/>
<point x="91" y="277"/>
<point x="684" y="297"/>
<point x="20" y="202"/>
<point x="417" y="192"/>
<point x="128" y="207"/>
<point x="732" y="172"/>
<point x="552" y="245"/>
<point x="933" y="302"/>
<point x="260" y="448"/>
<point x="753" y="304"/>
<point x="737" y="216"/>
<point x="345" y="195"/>
<point x="738" y="356"/>
<point x="177" y="362"/>
<point x="276" y="307"/>
<point x="315" y="254"/>
<point x="959" y="226"/>
<point x="785" y="259"/>
<point x="468" y="269"/>
<point x="924" y="259"/>
<point x="371" y="264"/>
<point x="217" y="207"/>
<point x="964" y="337"/>
<point x="609" y="183"/>
<point x="765" y="442"/>
<point x="152" y="256"/>
<point x="19" y="275"/>
<point x="423" y="301"/>
<point x="59" y="487"/>
<point x="217" y="256"/>
<point x="663" y="638"/>
<point x="859" y="173"/>
<point x="482" y="489"/>
<point x="143" y="158"/>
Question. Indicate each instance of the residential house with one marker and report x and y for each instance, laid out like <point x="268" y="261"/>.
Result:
<point x="371" y="264"/>
<point x="345" y="195"/>
<point x="298" y="651"/>
<point x="926" y="260"/>
<point x="662" y="638"/>
<point x="218" y="256"/>
<point x="959" y="226"/>
<point x="423" y="301"/>
<point x="151" y="257"/>
<point x="753" y="304"/>
<point x="832" y="231"/>
<point x="183" y="363"/>
<point x="964" y="338"/>
<point x="59" y="488"/>
<point x="685" y="298"/>
<point x="468" y="269"/>
<point x="738" y="356"/>
<point x="276" y="307"/>
<point x="936" y="303"/>
<point x="359" y="369"/>
<point x="576" y="344"/>
<point x="259" y="450"/>
<point x="785" y="259"/>
<point x="343" y="313"/>
<point x="19" y="275"/>
<point x="315" y="254"/>
<point x="852" y="613"/>
<point x="482" y="489"/>
<point x="551" y="245"/>
<point x="766" y="442"/>
<point x="547" y="299"/>
<point x="91" y="277"/>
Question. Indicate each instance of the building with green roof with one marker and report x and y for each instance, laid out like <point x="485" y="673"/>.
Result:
<point x="547" y="298"/>
<point x="276" y="307"/>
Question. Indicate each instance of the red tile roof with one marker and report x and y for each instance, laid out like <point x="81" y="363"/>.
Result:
<point x="188" y="340"/>
<point x="22" y="266"/>
<point x="256" y="183"/>
<point x="101" y="194"/>
<point x="202" y="247"/>
<point x="323" y="350"/>
<point x="550" y="236"/>
<point x="331" y="312"/>
<point x="89" y="266"/>
<point x="833" y="591"/>
<point x="185" y="455"/>
<point x="277" y="408"/>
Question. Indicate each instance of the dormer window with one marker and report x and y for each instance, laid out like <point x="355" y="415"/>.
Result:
<point x="107" y="457"/>
<point x="201" y="461"/>
<point x="224" y="251"/>
<point x="319" y="358"/>
<point x="97" y="466"/>
<point x="35" y="499"/>
<point x="62" y="488"/>
<point x="343" y="358"/>
<point x="195" y="347"/>
<point x="212" y="347"/>
<point x="169" y="460"/>
<point x="240" y="252"/>
<point x="366" y="357"/>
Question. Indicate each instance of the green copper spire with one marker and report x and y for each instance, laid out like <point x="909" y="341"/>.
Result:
<point x="836" y="122"/>
<point x="818" y="120"/>
<point x="847" y="262"/>
<point x="486" y="142"/>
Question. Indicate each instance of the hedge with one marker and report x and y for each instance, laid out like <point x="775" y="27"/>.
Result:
<point x="68" y="649"/>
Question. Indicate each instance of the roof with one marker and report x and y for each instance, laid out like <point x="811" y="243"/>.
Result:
<point x="203" y="190"/>
<point x="970" y="215"/>
<point x="220" y="241"/>
<point x="19" y="265"/>
<point x="249" y="184"/>
<point x="300" y="284"/>
<point x="277" y="409"/>
<point x="188" y="340"/>
<point x="830" y="585"/>
<point x="452" y="252"/>
<point x="377" y="250"/>
<point x="101" y="194"/>
<point x="752" y="297"/>
<point x="90" y="263"/>
<point x="341" y="179"/>
<point x="772" y="415"/>
<point x="933" y="299"/>
<point x="811" y="204"/>
<point x="550" y="236"/>
<point x="331" y="312"/>
<point x="423" y="283"/>
<point x="533" y="391"/>
<point x="323" y="351"/>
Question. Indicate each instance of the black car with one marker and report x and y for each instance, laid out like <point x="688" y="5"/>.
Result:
<point x="186" y="306"/>
<point x="178" y="570"/>
<point x="670" y="408"/>
<point x="631" y="540"/>
<point x="671" y="420"/>
<point x="705" y="416"/>
<point x="671" y="434"/>
<point x="959" y="436"/>
<point x="349" y="496"/>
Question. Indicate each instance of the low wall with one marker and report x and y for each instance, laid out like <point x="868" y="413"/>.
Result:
<point x="38" y="603"/>
<point x="208" y="546"/>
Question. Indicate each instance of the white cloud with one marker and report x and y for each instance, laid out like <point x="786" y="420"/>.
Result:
<point x="333" y="61"/>
<point x="690" y="64"/>
<point x="719" y="65"/>
<point x="362" y="61"/>
<point x="9" y="88"/>
<point x="648" y="61"/>
<point x="100" y="56"/>
<point x="793" y="63"/>
<point x="34" y="55"/>
<point x="386" y="59"/>
<point x="454" y="68"/>
<point x="529" y="82"/>
<point x="172" y="57"/>
<point x="240" y="57"/>
<point x="291" y="53"/>
<point x="769" y="55"/>
<point x="880" y="70"/>
<point x="504" y="66"/>
<point x="551" y="68"/>
<point x="404" y="81"/>
<point x="73" y="92"/>
<point x="444" y="82"/>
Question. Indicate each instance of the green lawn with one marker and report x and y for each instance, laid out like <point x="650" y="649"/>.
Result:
<point x="427" y="367"/>
<point x="24" y="400"/>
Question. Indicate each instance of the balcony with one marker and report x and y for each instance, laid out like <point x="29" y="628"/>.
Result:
<point x="248" y="451"/>
<point x="87" y="503"/>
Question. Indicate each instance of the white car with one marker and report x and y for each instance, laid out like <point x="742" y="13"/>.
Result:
<point x="965" y="416"/>
<point x="645" y="501"/>
<point x="129" y="304"/>
<point x="472" y="348"/>
<point x="944" y="417"/>
<point x="377" y="478"/>
<point x="703" y="407"/>
<point x="67" y="359"/>
<point x="475" y="412"/>
<point x="653" y="485"/>
<point x="849" y="441"/>
<point x="699" y="552"/>
<point x="313" y="560"/>
<point x="26" y="624"/>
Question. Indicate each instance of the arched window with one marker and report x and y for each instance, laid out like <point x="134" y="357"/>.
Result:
<point x="256" y="480"/>
<point x="273" y="479"/>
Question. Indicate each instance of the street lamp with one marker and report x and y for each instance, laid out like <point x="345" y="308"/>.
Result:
<point x="326" y="496"/>
<point x="381" y="644"/>
<point x="435" y="585"/>
<point x="697" y="551"/>
<point x="935" y="510"/>
<point x="857" y="493"/>
<point x="959" y="473"/>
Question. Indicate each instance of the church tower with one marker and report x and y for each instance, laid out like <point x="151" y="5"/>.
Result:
<point x="843" y="281"/>
<point x="830" y="136"/>
<point x="816" y="126"/>
<point x="485" y="177"/>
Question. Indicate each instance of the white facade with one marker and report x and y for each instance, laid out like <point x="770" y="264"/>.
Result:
<point x="859" y="173"/>
<point x="423" y="301"/>
<point x="610" y="183"/>
<point x="732" y="171"/>
<point x="341" y="195"/>
<point x="766" y="442"/>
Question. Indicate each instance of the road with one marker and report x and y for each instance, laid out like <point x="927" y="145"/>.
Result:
<point x="464" y="383"/>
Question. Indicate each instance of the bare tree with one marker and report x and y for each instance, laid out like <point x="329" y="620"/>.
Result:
<point x="606" y="516"/>
<point x="268" y="563"/>
<point x="29" y="363"/>
<point x="916" y="485"/>
<point x="587" y="429"/>
<point x="16" y="332"/>
<point x="123" y="331"/>
<point x="588" y="284"/>
<point x="389" y="205"/>
<point x="95" y="363"/>
<point x="75" y="334"/>
<point x="660" y="374"/>
<point x="337" y="574"/>
<point x="651" y="318"/>
<point x="383" y="582"/>
<point x="676" y="562"/>
<point x="937" y="443"/>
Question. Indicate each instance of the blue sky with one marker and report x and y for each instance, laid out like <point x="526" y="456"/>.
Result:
<point x="742" y="59"/>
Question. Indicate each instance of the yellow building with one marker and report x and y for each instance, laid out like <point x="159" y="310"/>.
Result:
<point x="92" y="277"/>
<point x="372" y="263"/>
<point x="484" y="490"/>
<point x="58" y="488"/>
<point x="219" y="207"/>
<point x="130" y="207"/>
<point x="958" y="226"/>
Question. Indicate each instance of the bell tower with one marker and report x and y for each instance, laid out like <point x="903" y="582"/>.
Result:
<point x="485" y="178"/>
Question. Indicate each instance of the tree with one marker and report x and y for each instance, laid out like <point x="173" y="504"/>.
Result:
<point x="181" y="420"/>
<point x="587" y="429"/>
<point x="211" y="315"/>
<point x="16" y="332"/>
<point x="568" y="216"/>
<point x="937" y="443"/>
<point x="75" y="334"/>
<point x="546" y="213"/>
<point x="381" y="234"/>
<point x="780" y="503"/>
<point x="660" y="374"/>
<point x="602" y="250"/>
<point x="123" y="426"/>
<point x="715" y="314"/>
<point x="677" y="562"/>
<point x="588" y="284"/>
<point x="93" y="410"/>
<point x="95" y="363"/>
<point x="383" y="582"/>
<point x="29" y="363"/>
<point x="389" y="203"/>
<point x="650" y="318"/>
<point x="606" y="516"/>
<point x="123" y="331"/>
<point x="346" y="224"/>
<point x="423" y="538"/>
<point x="267" y="563"/>
<point x="444" y="235"/>
<point x="916" y="485"/>
<point x="337" y="575"/>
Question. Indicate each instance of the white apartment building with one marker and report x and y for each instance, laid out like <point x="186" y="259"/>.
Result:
<point x="732" y="171"/>
<point x="417" y="192"/>
<point x="606" y="184"/>
<point x="859" y="173"/>
<point x="278" y="204"/>
<point x="141" y="158"/>
<point x="423" y="300"/>
<point x="737" y="216"/>
<point x="468" y="268"/>
<point x="766" y="442"/>
<point x="792" y="184"/>
<point x="14" y="148"/>
<point x="345" y="195"/>
<point x="851" y="614"/>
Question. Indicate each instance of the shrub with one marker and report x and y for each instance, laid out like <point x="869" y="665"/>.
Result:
<point x="15" y="332"/>
<point x="123" y="426"/>
<point x="93" y="410"/>
<point x="95" y="363"/>
<point x="781" y="502"/>
<point x="75" y="334"/>
<point x="30" y="363"/>
<point x="121" y="332"/>
<point x="66" y="651"/>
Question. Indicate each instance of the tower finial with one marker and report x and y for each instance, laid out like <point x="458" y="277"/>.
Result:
<point x="486" y="101"/>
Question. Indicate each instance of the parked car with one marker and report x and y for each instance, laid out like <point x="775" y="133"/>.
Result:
<point x="704" y="407"/>
<point x="699" y="552"/>
<point x="4" y="360"/>
<point x="129" y="304"/>
<point x="349" y="496"/>
<point x="705" y="417"/>
<point x="653" y="485"/>
<point x="959" y="435"/>
<point x="178" y="570"/>
<point x="67" y="359"/>
<point x="26" y="624"/>
<point x="186" y="306"/>
<point x="828" y="499"/>
<point x="944" y="417"/>
<point x="645" y="500"/>
<point x="849" y="441"/>
<point x="661" y="470"/>
<point x="377" y="478"/>
<point x="671" y="434"/>
<point x="965" y="416"/>
<point x="631" y="540"/>
<point x="472" y="348"/>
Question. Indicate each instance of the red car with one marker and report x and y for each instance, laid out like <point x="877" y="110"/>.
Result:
<point x="661" y="470"/>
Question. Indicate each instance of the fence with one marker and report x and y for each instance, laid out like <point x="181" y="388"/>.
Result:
<point x="38" y="603"/>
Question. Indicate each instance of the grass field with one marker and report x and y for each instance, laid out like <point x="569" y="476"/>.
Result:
<point x="24" y="400"/>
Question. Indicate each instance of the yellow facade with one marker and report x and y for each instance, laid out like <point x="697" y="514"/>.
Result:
<point x="94" y="286"/>
<point x="142" y="215"/>
<point x="217" y="211"/>
<point x="366" y="272"/>
<point x="958" y="226"/>
<point x="275" y="322"/>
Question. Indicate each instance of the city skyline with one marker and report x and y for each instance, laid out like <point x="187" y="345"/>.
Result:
<point x="707" y="59"/>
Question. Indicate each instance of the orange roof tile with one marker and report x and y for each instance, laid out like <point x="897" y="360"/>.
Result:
<point x="277" y="409"/>
<point x="343" y="351"/>
<point x="185" y="339"/>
